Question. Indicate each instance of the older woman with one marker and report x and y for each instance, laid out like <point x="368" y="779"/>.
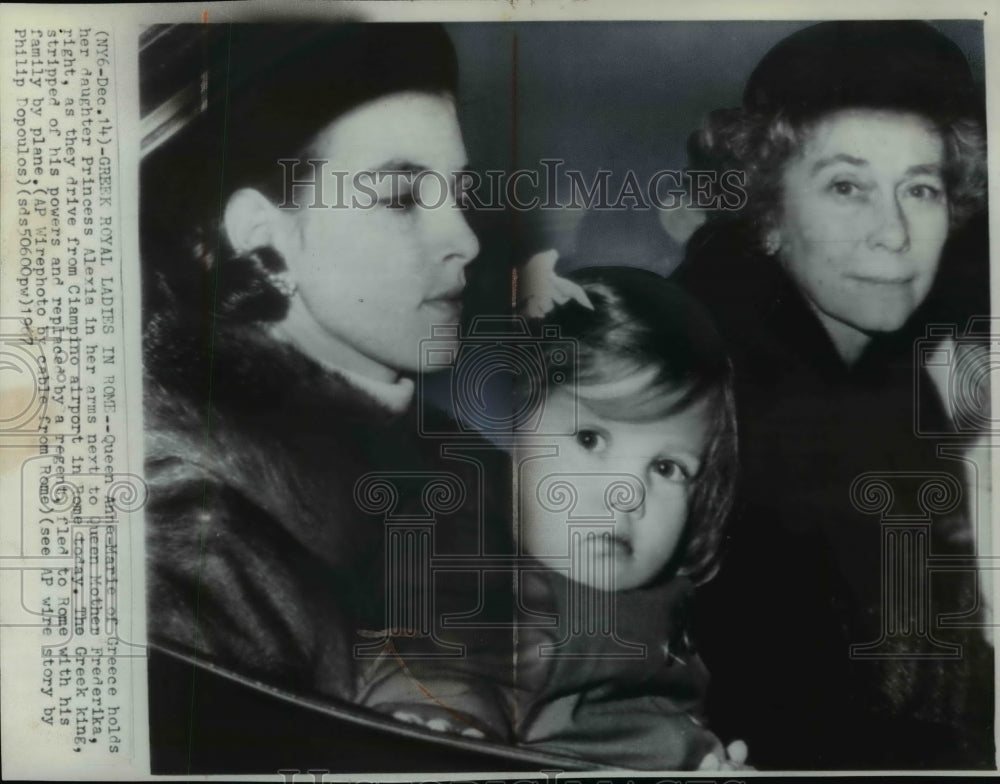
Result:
<point x="864" y="157"/>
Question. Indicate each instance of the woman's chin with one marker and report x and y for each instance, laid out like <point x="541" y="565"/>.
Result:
<point x="876" y="315"/>
<point x="884" y="322"/>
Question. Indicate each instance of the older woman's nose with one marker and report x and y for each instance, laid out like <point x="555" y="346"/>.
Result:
<point x="891" y="228"/>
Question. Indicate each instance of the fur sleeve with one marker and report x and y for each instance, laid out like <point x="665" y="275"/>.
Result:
<point x="228" y="583"/>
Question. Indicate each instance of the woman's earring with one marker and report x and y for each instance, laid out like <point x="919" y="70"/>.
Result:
<point x="771" y="244"/>
<point x="270" y="263"/>
<point x="283" y="282"/>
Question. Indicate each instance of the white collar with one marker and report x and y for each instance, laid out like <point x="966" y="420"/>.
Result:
<point x="395" y="396"/>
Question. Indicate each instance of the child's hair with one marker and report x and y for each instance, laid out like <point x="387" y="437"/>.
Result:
<point x="641" y="323"/>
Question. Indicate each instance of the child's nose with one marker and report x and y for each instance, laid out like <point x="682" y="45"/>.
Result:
<point x="625" y="497"/>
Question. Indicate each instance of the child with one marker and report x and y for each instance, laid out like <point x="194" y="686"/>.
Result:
<point x="624" y="480"/>
<point x="624" y="483"/>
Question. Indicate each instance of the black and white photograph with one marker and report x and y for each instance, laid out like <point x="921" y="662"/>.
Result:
<point x="673" y="498"/>
<point x="544" y="397"/>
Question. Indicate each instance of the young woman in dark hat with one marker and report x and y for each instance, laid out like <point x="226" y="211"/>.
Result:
<point x="280" y="344"/>
<point x="863" y="150"/>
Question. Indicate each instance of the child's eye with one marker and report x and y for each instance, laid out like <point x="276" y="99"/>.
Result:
<point x="590" y="440"/>
<point x="671" y="470"/>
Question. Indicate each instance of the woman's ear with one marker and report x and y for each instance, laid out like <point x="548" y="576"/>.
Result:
<point x="250" y="220"/>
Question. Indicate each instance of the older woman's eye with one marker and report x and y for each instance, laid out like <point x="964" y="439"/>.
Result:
<point x="846" y="188"/>
<point x="671" y="470"/>
<point x="591" y="440"/>
<point x="925" y="192"/>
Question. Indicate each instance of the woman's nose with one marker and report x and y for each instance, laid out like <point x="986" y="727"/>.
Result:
<point x="452" y="234"/>
<point x="891" y="230"/>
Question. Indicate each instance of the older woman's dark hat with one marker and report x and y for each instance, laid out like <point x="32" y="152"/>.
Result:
<point x="901" y="65"/>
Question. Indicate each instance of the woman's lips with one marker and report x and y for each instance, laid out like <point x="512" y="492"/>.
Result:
<point x="882" y="280"/>
<point x="449" y="302"/>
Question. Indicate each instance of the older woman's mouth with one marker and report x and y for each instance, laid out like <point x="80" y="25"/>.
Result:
<point x="882" y="280"/>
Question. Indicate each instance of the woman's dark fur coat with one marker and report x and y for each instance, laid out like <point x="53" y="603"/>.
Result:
<point x="802" y="576"/>
<point x="259" y="559"/>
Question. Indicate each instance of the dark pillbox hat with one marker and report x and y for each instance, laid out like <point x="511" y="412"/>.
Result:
<point x="271" y="88"/>
<point x="268" y="90"/>
<point x="904" y="65"/>
<point x="331" y="69"/>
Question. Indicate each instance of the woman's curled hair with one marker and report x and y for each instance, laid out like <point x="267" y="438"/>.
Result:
<point x="758" y="146"/>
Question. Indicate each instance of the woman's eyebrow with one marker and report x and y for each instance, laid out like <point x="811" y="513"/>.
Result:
<point x="840" y="157"/>
<point x="925" y="168"/>
<point x="399" y="165"/>
<point x="408" y="166"/>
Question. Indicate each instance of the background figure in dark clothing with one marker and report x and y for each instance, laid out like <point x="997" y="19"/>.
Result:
<point x="864" y="154"/>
